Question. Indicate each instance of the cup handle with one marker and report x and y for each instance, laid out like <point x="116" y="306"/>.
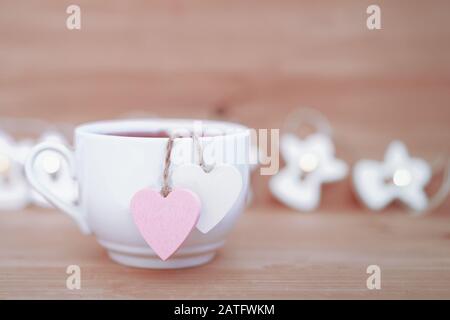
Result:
<point x="72" y="210"/>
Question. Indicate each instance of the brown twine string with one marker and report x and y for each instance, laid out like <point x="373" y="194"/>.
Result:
<point x="166" y="189"/>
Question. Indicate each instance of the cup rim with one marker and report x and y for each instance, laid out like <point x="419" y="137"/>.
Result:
<point x="113" y="128"/>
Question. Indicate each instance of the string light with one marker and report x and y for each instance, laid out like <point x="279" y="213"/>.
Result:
<point x="309" y="162"/>
<point x="15" y="193"/>
<point x="399" y="177"/>
<point x="51" y="163"/>
<point x="5" y="163"/>
<point x="402" y="177"/>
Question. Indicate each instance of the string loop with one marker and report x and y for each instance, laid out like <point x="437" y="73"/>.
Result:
<point x="307" y="116"/>
<point x="201" y="160"/>
<point x="166" y="189"/>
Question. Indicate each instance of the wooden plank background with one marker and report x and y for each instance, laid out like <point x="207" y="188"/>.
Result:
<point x="249" y="61"/>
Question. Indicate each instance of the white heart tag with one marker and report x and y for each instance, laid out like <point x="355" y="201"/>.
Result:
<point x="218" y="190"/>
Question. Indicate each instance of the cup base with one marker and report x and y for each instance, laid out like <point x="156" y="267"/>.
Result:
<point x="144" y="257"/>
<point x="157" y="263"/>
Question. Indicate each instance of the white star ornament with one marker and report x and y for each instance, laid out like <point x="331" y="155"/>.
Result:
<point x="310" y="162"/>
<point x="398" y="177"/>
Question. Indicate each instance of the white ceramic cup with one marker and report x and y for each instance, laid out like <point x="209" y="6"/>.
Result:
<point x="112" y="161"/>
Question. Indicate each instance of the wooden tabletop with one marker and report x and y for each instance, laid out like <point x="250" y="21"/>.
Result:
<point x="271" y="254"/>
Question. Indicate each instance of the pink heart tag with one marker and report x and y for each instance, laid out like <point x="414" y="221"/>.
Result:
<point x="165" y="223"/>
